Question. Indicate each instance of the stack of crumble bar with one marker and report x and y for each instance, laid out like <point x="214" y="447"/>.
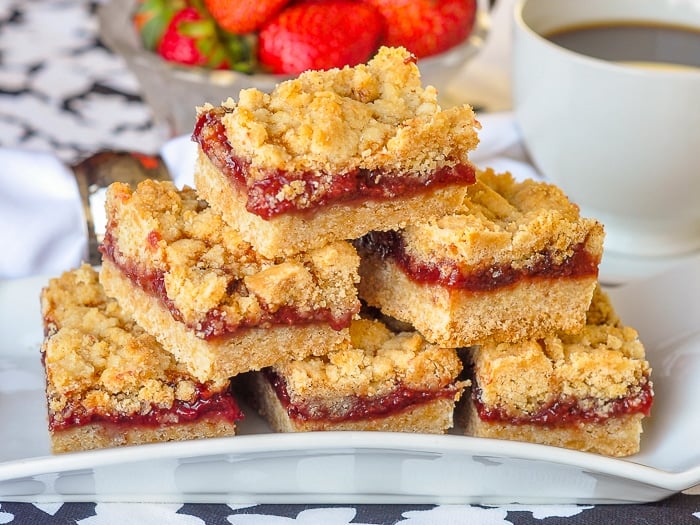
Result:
<point x="343" y="266"/>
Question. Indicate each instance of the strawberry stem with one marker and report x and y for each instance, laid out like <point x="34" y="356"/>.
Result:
<point x="237" y="51"/>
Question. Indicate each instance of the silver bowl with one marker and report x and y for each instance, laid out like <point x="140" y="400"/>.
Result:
<point x="173" y="91"/>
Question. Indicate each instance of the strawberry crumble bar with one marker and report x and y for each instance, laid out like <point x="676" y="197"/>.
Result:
<point x="588" y="391"/>
<point x="385" y="381"/>
<point x="333" y="155"/>
<point x="514" y="261"/>
<point x="208" y="297"/>
<point x="109" y="383"/>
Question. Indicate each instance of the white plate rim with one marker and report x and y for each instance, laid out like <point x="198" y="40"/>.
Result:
<point x="334" y="441"/>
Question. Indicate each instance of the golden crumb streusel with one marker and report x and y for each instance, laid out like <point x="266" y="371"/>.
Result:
<point x="377" y="362"/>
<point x="604" y="362"/>
<point x="371" y="116"/>
<point x="206" y="266"/>
<point x="99" y="359"/>
<point x="506" y="223"/>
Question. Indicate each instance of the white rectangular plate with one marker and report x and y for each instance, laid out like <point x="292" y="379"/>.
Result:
<point x="363" y="467"/>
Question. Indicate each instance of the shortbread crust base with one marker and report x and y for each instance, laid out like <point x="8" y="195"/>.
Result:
<point x="103" y="435"/>
<point x="251" y="349"/>
<point x="617" y="436"/>
<point x="298" y="232"/>
<point x="434" y="417"/>
<point x="454" y="318"/>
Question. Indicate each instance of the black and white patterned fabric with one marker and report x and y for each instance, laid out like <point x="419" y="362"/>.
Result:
<point x="678" y="510"/>
<point x="62" y="91"/>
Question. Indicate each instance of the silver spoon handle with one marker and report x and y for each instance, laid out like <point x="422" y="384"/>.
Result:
<point x="98" y="171"/>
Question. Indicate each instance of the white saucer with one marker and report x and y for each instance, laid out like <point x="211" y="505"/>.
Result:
<point x="616" y="268"/>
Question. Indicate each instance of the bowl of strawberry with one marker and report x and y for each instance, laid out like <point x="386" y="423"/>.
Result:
<point x="188" y="52"/>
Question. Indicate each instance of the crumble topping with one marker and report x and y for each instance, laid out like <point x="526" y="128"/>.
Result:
<point x="504" y="223"/>
<point x="373" y="116"/>
<point x="602" y="363"/>
<point x="99" y="359"/>
<point x="206" y="267"/>
<point x="377" y="362"/>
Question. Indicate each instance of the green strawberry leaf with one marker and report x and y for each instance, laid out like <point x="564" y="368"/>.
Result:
<point x="199" y="29"/>
<point x="155" y="16"/>
<point x="151" y="33"/>
<point x="242" y="52"/>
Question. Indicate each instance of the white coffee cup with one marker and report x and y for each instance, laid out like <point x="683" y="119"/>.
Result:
<point x="622" y="141"/>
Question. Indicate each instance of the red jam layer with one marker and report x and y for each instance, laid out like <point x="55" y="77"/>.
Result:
<point x="569" y="412"/>
<point x="215" y="323"/>
<point x="206" y="404"/>
<point x="446" y="273"/>
<point x="320" y="190"/>
<point x="357" y="408"/>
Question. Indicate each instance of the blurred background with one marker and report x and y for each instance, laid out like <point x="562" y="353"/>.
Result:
<point x="64" y="90"/>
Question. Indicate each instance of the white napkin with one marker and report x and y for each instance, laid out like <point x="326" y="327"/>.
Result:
<point x="179" y="155"/>
<point x="42" y="231"/>
<point x="500" y="147"/>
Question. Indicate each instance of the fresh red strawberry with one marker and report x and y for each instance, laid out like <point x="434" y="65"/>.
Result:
<point x="426" y="27"/>
<point x="192" y="38"/>
<point x="180" y="41"/>
<point x="320" y="35"/>
<point x="243" y="16"/>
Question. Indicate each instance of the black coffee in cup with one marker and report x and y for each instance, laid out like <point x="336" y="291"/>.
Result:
<point x="642" y="43"/>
